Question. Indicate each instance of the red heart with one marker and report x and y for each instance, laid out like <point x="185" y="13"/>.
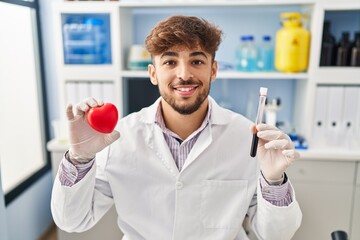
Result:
<point x="104" y="118"/>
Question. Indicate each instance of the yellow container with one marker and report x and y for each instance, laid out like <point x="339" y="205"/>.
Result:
<point x="292" y="44"/>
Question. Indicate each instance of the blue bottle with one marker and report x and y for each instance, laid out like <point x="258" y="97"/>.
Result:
<point x="246" y="54"/>
<point x="265" y="62"/>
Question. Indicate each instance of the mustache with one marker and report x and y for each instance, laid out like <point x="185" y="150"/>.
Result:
<point x="186" y="82"/>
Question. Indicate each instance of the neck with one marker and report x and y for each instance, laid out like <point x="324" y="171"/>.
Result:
<point x="181" y="124"/>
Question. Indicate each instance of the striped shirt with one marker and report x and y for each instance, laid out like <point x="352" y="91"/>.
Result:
<point x="278" y="195"/>
<point x="180" y="148"/>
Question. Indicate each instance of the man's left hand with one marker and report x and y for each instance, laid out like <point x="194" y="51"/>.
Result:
<point x="275" y="151"/>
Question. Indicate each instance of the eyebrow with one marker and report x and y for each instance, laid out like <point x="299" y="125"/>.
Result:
<point x="169" y="54"/>
<point x="174" y="54"/>
<point x="194" y="54"/>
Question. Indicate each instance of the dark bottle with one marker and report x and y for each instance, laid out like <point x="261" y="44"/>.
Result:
<point x="339" y="235"/>
<point x="327" y="57"/>
<point x="343" y="50"/>
<point x="355" y="51"/>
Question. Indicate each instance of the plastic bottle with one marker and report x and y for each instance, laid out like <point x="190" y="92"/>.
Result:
<point x="85" y="41"/>
<point x="343" y="50"/>
<point x="292" y="44"/>
<point x="246" y="54"/>
<point x="327" y="57"/>
<point x="355" y="51"/>
<point x="265" y="61"/>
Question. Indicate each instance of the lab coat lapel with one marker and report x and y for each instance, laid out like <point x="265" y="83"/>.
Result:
<point x="157" y="142"/>
<point x="155" y="138"/>
<point x="219" y="116"/>
<point x="200" y="146"/>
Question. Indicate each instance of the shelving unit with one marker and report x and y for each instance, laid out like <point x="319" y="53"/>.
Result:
<point x="131" y="21"/>
<point x="232" y="75"/>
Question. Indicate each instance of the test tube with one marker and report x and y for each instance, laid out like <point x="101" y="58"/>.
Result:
<point x="259" y="117"/>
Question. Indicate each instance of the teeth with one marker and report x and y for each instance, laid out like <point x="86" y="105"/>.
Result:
<point x="184" y="89"/>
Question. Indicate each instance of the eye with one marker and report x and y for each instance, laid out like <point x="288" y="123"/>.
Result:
<point x="197" y="62"/>
<point x="169" y="62"/>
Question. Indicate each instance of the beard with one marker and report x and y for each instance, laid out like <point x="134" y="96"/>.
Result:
<point x="187" y="109"/>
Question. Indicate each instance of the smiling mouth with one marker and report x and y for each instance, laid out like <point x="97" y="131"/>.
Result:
<point x="185" y="89"/>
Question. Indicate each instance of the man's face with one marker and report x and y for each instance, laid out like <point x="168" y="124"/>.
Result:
<point x="183" y="76"/>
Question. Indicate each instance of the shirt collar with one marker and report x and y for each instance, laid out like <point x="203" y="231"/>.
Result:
<point x="159" y="120"/>
<point x="219" y="116"/>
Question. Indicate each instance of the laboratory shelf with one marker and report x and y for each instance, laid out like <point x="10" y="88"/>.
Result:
<point x="330" y="154"/>
<point x="338" y="75"/>
<point x="210" y="3"/>
<point x="233" y="75"/>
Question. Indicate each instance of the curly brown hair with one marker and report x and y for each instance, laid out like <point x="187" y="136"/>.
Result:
<point x="186" y="31"/>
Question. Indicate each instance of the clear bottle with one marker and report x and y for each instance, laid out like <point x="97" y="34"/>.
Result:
<point x="355" y="51"/>
<point x="327" y="57"/>
<point x="246" y="54"/>
<point x="265" y="62"/>
<point x="343" y="50"/>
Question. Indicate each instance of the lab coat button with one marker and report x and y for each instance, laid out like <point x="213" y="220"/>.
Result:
<point x="179" y="185"/>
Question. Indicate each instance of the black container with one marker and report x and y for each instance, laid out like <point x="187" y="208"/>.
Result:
<point x="343" y="53"/>
<point x="328" y="47"/>
<point x="355" y="51"/>
<point x="339" y="235"/>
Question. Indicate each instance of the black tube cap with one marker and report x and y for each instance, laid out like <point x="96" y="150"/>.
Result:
<point x="339" y="235"/>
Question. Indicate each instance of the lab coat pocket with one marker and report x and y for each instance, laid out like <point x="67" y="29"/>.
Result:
<point x="223" y="203"/>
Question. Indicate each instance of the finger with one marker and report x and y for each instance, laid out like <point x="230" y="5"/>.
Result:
<point x="270" y="134"/>
<point x="291" y="154"/>
<point x="99" y="102"/>
<point x="263" y="127"/>
<point x="69" y="112"/>
<point x="277" y="144"/>
<point x="92" y="102"/>
<point x="112" y="137"/>
<point x="81" y="108"/>
<point x="273" y="134"/>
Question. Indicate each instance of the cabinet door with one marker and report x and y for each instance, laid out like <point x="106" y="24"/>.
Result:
<point x="355" y="230"/>
<point x="324" y="191"/>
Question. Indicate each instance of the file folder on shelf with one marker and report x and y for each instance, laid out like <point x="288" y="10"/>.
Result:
<point x="351" y="108"/>
<point x="320" y="114"/>
<point x="335" y="105"/>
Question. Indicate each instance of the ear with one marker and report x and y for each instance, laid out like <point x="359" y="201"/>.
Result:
<point x="152" y="74"/>
<point x="214" y="69"/>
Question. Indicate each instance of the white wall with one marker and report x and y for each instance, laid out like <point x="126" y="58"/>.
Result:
<point x="29" y="215"/>
<point x="3" y="224"/>
<point x="47" y="26"/>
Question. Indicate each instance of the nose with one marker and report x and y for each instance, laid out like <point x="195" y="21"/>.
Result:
<point x="184" y="72"/>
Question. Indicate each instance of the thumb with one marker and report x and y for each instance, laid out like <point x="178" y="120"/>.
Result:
<point x="112" y="137"/>
<point x="69" y="112"/>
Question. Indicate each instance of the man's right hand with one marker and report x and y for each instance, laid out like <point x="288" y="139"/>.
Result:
<point x="85" y="142"/>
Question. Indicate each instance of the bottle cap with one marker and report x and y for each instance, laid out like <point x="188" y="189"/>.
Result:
<point x="266" y="38"/>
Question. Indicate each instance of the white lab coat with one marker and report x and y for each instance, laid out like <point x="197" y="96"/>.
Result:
<point x="208" y="199"/>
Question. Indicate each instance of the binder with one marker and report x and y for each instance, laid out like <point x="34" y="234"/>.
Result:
<point x="320" y="114"/>
<point x="108" y="92"/>
<point x="96" y="90"/>
<point x="357" y="125"/>
<point x="71" y="94"/>
<point x="334" y="116"/>
<point x="83" y="90"/>
<point x="351" y="108"/>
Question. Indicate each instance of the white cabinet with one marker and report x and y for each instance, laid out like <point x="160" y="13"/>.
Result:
<point x="355" y="230"/>
<point x="324" y="190"/>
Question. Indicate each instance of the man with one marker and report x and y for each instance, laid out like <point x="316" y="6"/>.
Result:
<point x="181" y="168"/>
